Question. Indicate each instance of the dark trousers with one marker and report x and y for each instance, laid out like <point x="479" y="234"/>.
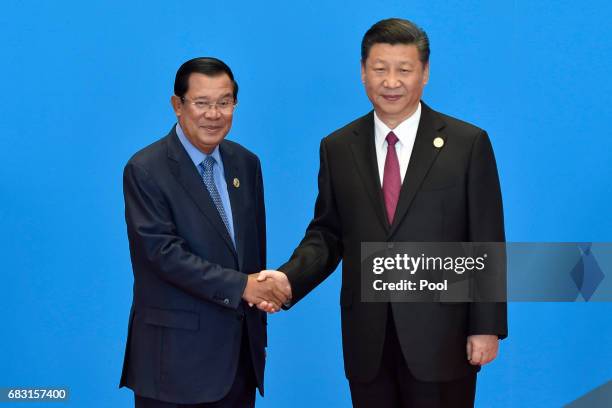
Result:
<point x="395" y="387"/>
<point x="241" y="395"/>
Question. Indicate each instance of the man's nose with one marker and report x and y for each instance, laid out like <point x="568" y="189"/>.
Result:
<point x="391" y="80"/>
<point x="212" y="113"/>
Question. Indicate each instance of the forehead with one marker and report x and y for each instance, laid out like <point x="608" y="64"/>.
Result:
<point x="201" y="85"/>
<point x="397" y="53"/>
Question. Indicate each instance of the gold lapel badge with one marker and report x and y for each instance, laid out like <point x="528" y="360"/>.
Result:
<point x="438" y="142"/>
<point x="236" y="182"/>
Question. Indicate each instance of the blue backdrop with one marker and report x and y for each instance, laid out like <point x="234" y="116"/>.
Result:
<point x="86" y="84"/>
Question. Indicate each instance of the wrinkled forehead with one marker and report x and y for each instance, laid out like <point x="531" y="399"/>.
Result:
<point x="210" y="87"/>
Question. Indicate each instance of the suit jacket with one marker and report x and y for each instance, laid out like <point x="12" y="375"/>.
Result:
<point x="187" y="316"/>
<point x="448" y="194"/>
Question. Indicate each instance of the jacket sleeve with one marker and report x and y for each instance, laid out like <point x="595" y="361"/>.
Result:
<point x="486" y="224"/>
<point x="320" y="251"/>
<point x="156" y="246"/>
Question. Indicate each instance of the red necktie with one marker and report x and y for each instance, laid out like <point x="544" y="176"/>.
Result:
<point x="392" y="182"/>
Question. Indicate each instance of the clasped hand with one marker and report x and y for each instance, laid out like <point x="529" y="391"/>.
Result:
<point x="268" y="290"/>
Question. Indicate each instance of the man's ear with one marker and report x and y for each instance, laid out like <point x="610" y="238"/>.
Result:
<point x="426" y="73"/>
<point x="363" y="72"/>
<point x="177" y="105"/>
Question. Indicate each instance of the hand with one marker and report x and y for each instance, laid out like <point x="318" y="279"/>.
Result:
<point x="281" y="282"/>
<point x="482" y="348"/>
<point x="258" y="291"/>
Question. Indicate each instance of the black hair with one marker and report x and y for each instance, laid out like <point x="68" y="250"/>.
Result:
<point x="202" y="65"/>
<point x="395" y="31"/>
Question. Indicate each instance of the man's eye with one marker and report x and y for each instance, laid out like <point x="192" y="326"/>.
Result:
<point x="200" y="105"/>
<point x="225" y="104"/>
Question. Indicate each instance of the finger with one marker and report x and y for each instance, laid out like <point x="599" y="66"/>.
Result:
<point x="269" y="307"/>
<point x="280" y="295"/>
<point x="269" y="292"/>
<point x="262" y="276"/>
<point x="280" y="280"/>
<point x="476" y="358"/>
<point x="273" y="294"/>
<point x="265" y="291"/>
<point x="491" y="356"/>
<point x="286" y="289"/>
<point x="468" y="348"/>
<point x="264" y="306"/>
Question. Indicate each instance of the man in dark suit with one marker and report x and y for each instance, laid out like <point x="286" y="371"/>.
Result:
<point x="403" y="173"/>
<point x="195" y="217"/>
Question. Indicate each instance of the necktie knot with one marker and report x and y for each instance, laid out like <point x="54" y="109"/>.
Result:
<point x="392" y="139"/>
<point x="208" y="163"/>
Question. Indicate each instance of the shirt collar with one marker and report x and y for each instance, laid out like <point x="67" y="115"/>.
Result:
<point x="195" y="154"/>
<point x="404" y="131"/>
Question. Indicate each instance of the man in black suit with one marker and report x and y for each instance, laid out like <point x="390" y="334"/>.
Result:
<point x="403" y="173"/>
<point x="195" y="217"/>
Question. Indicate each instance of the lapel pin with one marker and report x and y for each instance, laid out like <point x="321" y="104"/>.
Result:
<point x="236" y="182"/>
<point x="438" y="142"/>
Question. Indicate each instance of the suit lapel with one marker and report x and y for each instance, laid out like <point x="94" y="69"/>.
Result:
<point x="423" y="155"/>
<point x="234" y="172"/>
<point x="187" y="176"/>
<point x="364" y="153"/>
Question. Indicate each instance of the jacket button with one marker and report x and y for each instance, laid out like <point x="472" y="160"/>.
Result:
<point x="226" y="301"/>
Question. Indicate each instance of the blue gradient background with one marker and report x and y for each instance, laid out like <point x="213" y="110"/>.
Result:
<point x="86" y="84"/>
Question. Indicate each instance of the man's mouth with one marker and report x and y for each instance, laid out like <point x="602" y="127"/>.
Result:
<point x="391" y="98"/>
<point x="210" y="128"/>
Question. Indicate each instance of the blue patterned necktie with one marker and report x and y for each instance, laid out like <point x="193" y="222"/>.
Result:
<point x="206" y="171"/>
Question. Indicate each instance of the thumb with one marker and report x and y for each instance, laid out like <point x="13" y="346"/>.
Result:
<point x="262" y="276"/>
<point x="469" y="349"/>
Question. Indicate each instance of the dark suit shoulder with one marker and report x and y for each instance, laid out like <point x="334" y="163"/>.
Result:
<point x="240" y="150"/>
<point x="458" y="125"/>
<point x="457" y="130"/>
<point x="347" y="131"/>
<point x="150" y="155"/>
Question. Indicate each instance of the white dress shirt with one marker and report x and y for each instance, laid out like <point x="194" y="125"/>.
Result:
<point x="405" y="132"/>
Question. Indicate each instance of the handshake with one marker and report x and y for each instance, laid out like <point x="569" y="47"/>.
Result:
<point x="268" y="290"/>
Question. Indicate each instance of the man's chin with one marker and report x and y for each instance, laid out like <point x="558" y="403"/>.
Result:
<point x="211" y="133"/>
<point x="207" y="142"/>
<point x="392" y="113"/>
